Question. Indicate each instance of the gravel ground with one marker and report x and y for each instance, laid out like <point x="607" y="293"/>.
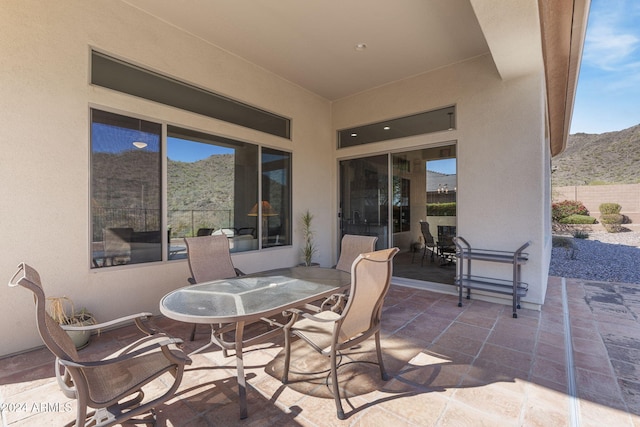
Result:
<point x="606" y="257"/>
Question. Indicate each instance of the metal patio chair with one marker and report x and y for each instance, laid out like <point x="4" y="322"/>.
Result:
<point x="351" y="246"/>
<point x="329" y="332"/>
<point x="112" y="387"/>
<point x="209" y="259"/>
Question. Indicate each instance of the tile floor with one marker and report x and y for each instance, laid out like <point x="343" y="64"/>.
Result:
<point x="451" y="366"/>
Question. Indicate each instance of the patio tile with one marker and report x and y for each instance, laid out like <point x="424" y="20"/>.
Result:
<point x="450" y="366"/>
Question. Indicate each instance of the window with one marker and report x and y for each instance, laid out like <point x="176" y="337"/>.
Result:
<point x="213" y="187"/>
<point x="416" y="124"/>
<point x="276" y="197"/>
<point x="125" y="190"/>
<point x="118" y="75"/>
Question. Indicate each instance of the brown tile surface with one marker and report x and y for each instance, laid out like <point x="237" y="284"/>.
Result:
<point x="451" y="366"/>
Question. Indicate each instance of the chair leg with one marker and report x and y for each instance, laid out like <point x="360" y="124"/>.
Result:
<point x="81" y="413"/>
<point x="287" y="356"/>
<point x="383" y="372"/>
<point x="336" y="388"/>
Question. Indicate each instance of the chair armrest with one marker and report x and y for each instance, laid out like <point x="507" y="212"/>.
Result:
<point x="239" y="272"/>
<point x="320" y="319"/>
<point x="133" y="351"/>
<point x="137" y="318"/>
<point x="335" y="302"/>
<point x="191" y="281"/>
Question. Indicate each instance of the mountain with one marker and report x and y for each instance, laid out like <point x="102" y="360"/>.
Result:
<point x="592" y="159"/>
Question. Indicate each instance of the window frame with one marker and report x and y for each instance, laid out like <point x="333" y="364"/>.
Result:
<point x="165" y="126"/>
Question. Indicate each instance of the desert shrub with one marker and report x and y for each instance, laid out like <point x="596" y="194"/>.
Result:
<point x="612" y="222"/>
<point x="441" y="209"/>
<point x="566" y="243"/>
<point x="609" y="208"/>
<point x="566" y="208"/>
<point x="578" y="219"/>
<point x="581" y="234"/>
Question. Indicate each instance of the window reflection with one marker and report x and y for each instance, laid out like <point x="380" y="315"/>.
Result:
<point x="125" y="190"/>
<point x="211" y="186"/>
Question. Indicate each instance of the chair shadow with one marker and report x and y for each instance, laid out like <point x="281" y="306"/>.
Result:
<point x="359" y="375"/>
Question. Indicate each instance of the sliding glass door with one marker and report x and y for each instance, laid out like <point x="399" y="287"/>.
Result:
<point x="364" y="198"/>
<point x="408" y="200"/>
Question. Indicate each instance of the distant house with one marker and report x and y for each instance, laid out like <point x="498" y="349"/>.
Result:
<point x="489" y="83"/>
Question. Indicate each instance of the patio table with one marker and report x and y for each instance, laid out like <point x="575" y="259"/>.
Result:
<point x="242" y="300"/>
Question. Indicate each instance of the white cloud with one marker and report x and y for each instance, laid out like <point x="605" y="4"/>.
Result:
<point x="613" y="36"/>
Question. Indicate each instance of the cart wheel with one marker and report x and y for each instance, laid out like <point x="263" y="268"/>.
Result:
<point x="518" y="306"/>
<point x="459" y="304"/>
<point x="468" y="296"/>
<point x="515" y="315"/>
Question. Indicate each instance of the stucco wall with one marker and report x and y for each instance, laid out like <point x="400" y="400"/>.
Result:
<point x="502" y="154"/>
<point x="45" y="98"/>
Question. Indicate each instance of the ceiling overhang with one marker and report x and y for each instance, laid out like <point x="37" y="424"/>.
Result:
<point x="312" y="43"/>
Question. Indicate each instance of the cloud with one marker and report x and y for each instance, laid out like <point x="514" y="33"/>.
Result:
<point x="613" y="36"/>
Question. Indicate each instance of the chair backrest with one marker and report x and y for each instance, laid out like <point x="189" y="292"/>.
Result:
<point x="54" y="337"/>
<point x="426" y="233"/>
<point x="204" y="232"/>
<point x="446" y="233"/>
<point x="352" y="246"/>
<point x="370" y="280"/>
<point x="117" y="240"/>
<point x="209" y="258"/>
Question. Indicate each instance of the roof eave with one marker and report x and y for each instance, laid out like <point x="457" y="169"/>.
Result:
<point x="563" y="26"/>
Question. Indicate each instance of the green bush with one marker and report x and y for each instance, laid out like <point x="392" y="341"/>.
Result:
<point x="566" y="208"/>
<point x="578" y="219"/>
<point x="441" y="209"/>
<point x="609" y="208"/>
<point x="612" y="222"/>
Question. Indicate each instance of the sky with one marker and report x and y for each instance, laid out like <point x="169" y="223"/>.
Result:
<point x="608" y="93"/>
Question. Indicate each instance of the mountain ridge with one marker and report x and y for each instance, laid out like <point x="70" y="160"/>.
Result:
<point x="599" y="159"/>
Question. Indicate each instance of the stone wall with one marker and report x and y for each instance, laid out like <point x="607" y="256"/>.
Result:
<point x="626" y="195"/>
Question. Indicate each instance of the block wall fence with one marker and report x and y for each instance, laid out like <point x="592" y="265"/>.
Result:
<point x="591" y="196"/>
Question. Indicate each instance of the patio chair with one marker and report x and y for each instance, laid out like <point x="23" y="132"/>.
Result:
<point x="209" y="259"/>
<point x="205" y="232"/>
<point x="429" y="242"/>
<point x="446" y="246"/>
<point x="117" y="245"/>
<point x="112" y="387"/>
<point x="352" y="246"/>
<point x="329" y="332"/>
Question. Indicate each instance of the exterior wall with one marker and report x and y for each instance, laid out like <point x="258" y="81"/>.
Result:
<point x="502" y="154"/>
<point x="591" y="196"/>
<point x="45" y="98"/>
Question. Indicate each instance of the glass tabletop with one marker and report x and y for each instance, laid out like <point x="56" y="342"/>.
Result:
<point x="252" y="296"/>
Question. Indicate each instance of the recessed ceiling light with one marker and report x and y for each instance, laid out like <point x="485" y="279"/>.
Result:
<point x="386" y="128"/>
<point x="354" y="134"/>
<point x="360" y="47"/>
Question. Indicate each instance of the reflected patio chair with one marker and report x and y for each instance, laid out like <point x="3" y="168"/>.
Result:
<point x="352" y="246"/>
<point x="117" y="244"/>
<point x="209" y="259"/>
<point x="112" y="387"/>
<point x="446" y="246"/>
<point x="329" y="332"/>
<point x="429" y="242"/>
<point x="204" y="232"/>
